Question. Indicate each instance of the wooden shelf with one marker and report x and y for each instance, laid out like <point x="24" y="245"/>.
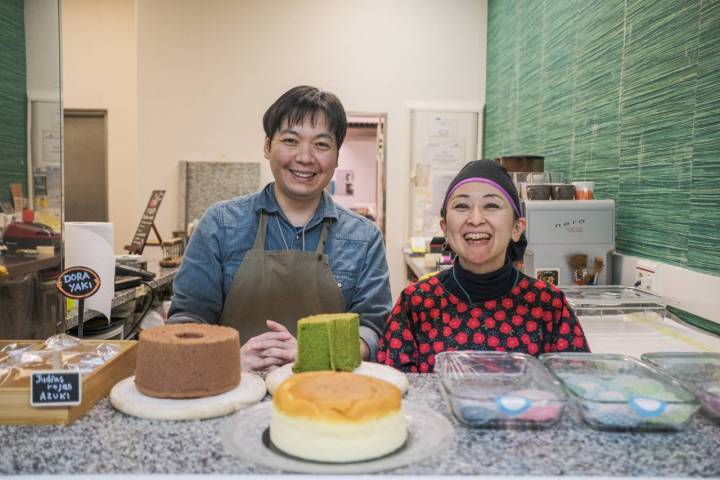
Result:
<point x="20" y="265"/>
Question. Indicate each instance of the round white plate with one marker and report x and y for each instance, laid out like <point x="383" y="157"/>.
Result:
<point x="128" y="399"/>
<point x="377" y="370"/>
<point x="242" y="435"/>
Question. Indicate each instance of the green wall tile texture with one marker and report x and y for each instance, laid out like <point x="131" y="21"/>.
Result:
<point x="13" y="97"/>
<point x="625" y="93"/>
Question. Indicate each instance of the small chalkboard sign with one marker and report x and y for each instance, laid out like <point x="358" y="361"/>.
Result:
<point x="78" y="283"/>
<point x="55" y="389"/>
<point x="147" y="222"/>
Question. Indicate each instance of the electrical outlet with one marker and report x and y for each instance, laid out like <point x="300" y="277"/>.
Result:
<point x="644" y="274"/>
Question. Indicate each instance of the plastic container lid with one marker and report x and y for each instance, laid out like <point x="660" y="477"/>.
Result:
<point x="598" y="295"/>
<point x="612" y="299"/>
<point x="617" y="392"/>
<point x="699" y="372"/>
<point x="498" y="389"/>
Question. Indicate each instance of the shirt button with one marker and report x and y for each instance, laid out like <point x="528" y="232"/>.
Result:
<point x="339" y="285"/>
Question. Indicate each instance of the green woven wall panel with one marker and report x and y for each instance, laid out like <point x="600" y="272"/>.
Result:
<point x="13" y="99"/>
<point x="704" y="235"/>
<point x="623" y="93"/>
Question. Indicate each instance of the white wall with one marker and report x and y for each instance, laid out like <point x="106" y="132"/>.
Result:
<point x="359" y="155"/>
<point x="100" y="72"/>
<point x="208" y="70"/>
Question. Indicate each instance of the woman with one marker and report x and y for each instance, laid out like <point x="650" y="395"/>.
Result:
<point x="482" y="302"/>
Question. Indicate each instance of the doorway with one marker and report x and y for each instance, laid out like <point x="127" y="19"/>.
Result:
<point x="359" y="183"/>
<point x="85" y="163"/>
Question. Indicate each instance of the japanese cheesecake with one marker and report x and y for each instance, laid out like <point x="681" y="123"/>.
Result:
<point x="187" y="360"/>
<point x="337" y="417"/>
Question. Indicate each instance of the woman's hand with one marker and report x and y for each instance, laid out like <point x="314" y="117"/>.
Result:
<point x="364" y="350"/>
<point x="269" y="350"/>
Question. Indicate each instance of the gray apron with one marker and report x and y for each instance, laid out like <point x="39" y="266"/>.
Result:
<point x="280" y="285"/>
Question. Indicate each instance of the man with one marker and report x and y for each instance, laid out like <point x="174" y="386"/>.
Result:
<point x="260" y="262"/>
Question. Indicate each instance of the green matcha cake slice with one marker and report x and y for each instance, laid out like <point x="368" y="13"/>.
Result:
<point x="329" y="341"/>
<point x="345" y="342"/>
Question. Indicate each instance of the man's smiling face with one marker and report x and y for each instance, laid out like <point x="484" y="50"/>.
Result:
<point x="303" y="158"/>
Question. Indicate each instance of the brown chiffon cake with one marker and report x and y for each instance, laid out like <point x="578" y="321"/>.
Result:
<point x="187" y="361"/>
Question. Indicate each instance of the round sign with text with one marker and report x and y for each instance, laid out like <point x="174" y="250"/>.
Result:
<point x="78" y="282"/>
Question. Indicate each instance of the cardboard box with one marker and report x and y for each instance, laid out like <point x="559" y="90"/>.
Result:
<point x="15" y="406"/>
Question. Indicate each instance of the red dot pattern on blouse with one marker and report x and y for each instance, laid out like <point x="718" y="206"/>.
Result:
<point x="534" y="318"/>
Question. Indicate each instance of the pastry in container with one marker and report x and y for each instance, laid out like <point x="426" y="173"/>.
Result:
<point x="538" y="192"/>
<point x="562" y="191"/>
<point x="584" y="190"/>
<point x="499" y="389"/>
<point x="617" y="392"/>
<point x="699" y="372"/>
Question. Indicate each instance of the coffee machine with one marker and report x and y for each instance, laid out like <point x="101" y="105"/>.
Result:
<point x="560" y="232"/>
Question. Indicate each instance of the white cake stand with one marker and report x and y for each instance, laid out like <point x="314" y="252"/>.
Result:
<point x="128" y="399"/>
<point x="244" y="435"/>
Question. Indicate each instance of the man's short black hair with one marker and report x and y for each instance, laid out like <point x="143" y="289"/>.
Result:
<point x="300" y="102"/>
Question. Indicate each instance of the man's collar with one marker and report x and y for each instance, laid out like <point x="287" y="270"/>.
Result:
<point x="266" y="201"/>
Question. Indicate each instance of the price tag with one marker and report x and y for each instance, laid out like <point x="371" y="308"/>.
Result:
<point x="78" y="282"/>
<point x="55" y="388"/>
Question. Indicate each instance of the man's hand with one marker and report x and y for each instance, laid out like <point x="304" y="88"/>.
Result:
<point x="269" y="350"/>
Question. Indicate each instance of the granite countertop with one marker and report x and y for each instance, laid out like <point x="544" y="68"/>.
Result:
<point x="106" y="441"/>
<point x="163" y="276"/>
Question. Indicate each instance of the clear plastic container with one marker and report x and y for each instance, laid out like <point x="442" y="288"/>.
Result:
<point x="499" y="390"/>
<point x="617" y="392"/>
<point x="562" y="191"/>
<point x="699" y="372"/>
<point x="584" y="190"/>
<point x="538" y="191"/>
<point x="600" y="300"/>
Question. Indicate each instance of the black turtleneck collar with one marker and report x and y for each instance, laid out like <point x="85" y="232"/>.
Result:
<point x="480" y="286"/>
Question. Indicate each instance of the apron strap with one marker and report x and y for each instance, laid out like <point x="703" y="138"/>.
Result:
<point x="261" y="232"/>
<point x="323" y="237"/>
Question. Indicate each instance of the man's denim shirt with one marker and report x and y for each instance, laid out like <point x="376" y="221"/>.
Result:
<point x="227" y="231"/>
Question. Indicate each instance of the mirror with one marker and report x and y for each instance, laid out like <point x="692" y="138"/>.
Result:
<point x="30" y="169"/>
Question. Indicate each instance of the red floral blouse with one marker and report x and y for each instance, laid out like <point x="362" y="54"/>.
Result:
<point x="533" y="318"/>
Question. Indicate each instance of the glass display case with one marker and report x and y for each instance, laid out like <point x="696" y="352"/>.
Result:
<point x="30" y="169"/>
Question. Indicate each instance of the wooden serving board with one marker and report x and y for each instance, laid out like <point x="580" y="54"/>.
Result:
<point x="15" y="406"/>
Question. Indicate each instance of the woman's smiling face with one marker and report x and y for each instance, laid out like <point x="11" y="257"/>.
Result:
<point x="479" y="225"/>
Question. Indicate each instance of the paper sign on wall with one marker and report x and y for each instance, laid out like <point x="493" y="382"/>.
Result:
<point x="440" y="182"/>
<point x="445" y="154"/>
<point x="443" y="127"/>
<point x="52" y="147"/>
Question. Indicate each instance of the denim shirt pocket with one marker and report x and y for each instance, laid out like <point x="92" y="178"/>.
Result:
<point x="346" y="281"/>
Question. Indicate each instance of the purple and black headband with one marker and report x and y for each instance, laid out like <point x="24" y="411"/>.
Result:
<point x="484" y="171"/>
